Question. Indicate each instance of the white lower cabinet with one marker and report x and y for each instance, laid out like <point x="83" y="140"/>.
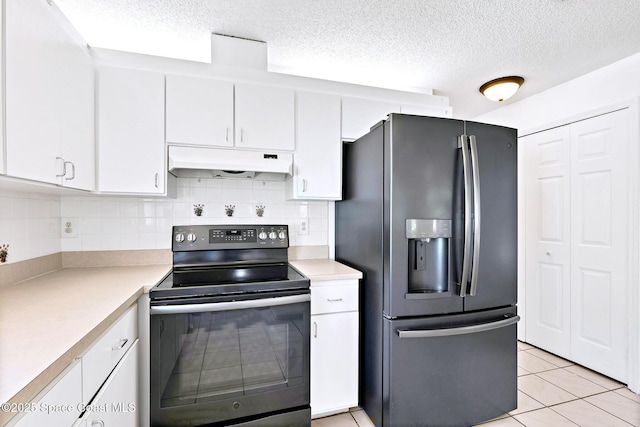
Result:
<point x="334" y="346"/>
<point x="99" y="361"/>
<point x="58" y="404"/>
<point x="103" y="384"/>
<point x="116" y="404"/>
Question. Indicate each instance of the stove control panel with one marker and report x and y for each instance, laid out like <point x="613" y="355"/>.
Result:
<point x="213" y="237"/>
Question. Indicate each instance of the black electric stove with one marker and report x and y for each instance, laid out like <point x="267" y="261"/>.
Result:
<point x="230" y="331"/>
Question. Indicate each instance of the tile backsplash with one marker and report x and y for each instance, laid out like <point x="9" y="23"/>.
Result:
<point x="121" y="223"/>
<point x="29" y="224"/>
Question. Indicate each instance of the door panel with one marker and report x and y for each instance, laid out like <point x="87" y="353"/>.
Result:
<point x="599" y="228"/>
<point x="202" y="364"/>
<point x="547" y="228"/>
<point x="498" y="170"/>
<point x="421" y="166"/>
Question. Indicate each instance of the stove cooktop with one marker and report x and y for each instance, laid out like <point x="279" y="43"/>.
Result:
<point x="229" y="281"/>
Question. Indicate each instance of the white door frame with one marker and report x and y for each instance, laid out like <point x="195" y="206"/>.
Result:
<point x="634" y="244"/>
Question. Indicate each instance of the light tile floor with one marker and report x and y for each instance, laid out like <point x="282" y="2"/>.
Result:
<point x="552" y="392"/>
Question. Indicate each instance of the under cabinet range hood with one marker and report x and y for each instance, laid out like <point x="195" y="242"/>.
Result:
<point x="198" y="162"/>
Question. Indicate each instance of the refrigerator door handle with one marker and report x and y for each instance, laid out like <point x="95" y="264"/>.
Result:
<point x="466" y="257"/>
<point x="476" y="216"/>
<point x="447" y="332"/>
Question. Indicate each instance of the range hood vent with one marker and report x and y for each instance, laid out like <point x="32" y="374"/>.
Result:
<point x="197" y="162"/>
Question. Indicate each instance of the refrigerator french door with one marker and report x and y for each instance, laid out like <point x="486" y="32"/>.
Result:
<point x="429" y="215"/>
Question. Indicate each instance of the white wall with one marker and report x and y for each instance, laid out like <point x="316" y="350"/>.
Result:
<point x="29" y="224"/>
<point x="609" y="85"/>
<point x="121" y="223"/>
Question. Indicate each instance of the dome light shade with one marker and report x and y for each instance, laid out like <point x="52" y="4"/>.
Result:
<point x="502" y="88"/>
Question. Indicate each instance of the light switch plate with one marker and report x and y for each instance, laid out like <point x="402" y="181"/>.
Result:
<point x="68" y="227"/>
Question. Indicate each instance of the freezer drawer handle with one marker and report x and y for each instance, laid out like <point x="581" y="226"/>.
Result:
<point x="225" y="306"/>
<point x="432" y="333"/>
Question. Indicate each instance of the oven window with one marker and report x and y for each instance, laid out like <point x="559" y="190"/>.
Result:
<point x="207" y="357"/>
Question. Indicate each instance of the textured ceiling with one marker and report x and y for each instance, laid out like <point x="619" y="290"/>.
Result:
<point x="450" y="46"/>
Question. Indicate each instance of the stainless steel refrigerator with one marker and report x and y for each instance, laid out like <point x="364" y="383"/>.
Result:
<point x="429" y="215"/>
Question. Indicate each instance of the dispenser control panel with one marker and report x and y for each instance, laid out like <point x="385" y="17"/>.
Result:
<point x="428" y="228"/>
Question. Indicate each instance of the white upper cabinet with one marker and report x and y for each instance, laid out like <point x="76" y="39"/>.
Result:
<point x="2" y="166"/>
<point x="359" y="115"/>
<point x="426" y="110"/>
<point x="317" y="161"/>
<point x="131" y="147"/>
<point x="78" y="118"/>
<point x="49" y="97"/>
<point x="264" y="117"/>
<point x="199" y="111"/>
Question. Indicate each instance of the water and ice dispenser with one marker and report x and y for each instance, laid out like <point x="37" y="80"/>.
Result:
<point x="429" y="242"/>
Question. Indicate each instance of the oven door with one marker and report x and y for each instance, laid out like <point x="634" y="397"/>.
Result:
<point x="229" y="361"/>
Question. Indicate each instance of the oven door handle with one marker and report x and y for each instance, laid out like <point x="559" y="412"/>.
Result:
<point x="226" y="306"/>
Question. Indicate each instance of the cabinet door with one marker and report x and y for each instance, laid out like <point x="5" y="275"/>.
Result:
<point x="548" y="224"/>
<point x="359" y="114"/>
<point x="424" y="110"/>
<point x="77" y="118"/>
<point x="49" y="97"/>
<point x="34" y="44"/>
<point x="65" y="392"/>
<point x="334" y="362"/>
<point x="317" y="161"/>
<point x="199" y="111"/>
<point x="131" y="147"/>
<point x="265" y="117"/>
<point x="599" y="243"/>
<point x="117" y="401"/>
<point x="2" y="145"/>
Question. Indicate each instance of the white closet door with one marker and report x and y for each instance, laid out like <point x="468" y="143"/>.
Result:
<point x="600" y="226"/>
<point x="547" y="230"/>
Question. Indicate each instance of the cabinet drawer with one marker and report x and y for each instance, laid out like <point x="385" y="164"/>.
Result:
<point x="334" y="299"/>
<point x="103" y="356"/>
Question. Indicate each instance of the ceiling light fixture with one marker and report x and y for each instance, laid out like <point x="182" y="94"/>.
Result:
<point x="502" y="88"/>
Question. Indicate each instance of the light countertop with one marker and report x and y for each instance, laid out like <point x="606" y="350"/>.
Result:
<point x="325" y="269"/>
<point x="47" y="321"/>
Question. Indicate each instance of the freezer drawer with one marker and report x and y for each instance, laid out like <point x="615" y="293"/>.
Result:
<point x="456" y="370"/>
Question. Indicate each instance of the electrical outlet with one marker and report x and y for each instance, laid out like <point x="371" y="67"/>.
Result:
<point x="303" y="226"/>
<point x="68" y="227"/>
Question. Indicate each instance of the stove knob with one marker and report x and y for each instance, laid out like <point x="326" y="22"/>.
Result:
<point x="273" y="235"/>
<point x="282" y="235"/>
<point x="191" y="237"/>
<point x="262" y="235"/>
<point x="179" y="237"/>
